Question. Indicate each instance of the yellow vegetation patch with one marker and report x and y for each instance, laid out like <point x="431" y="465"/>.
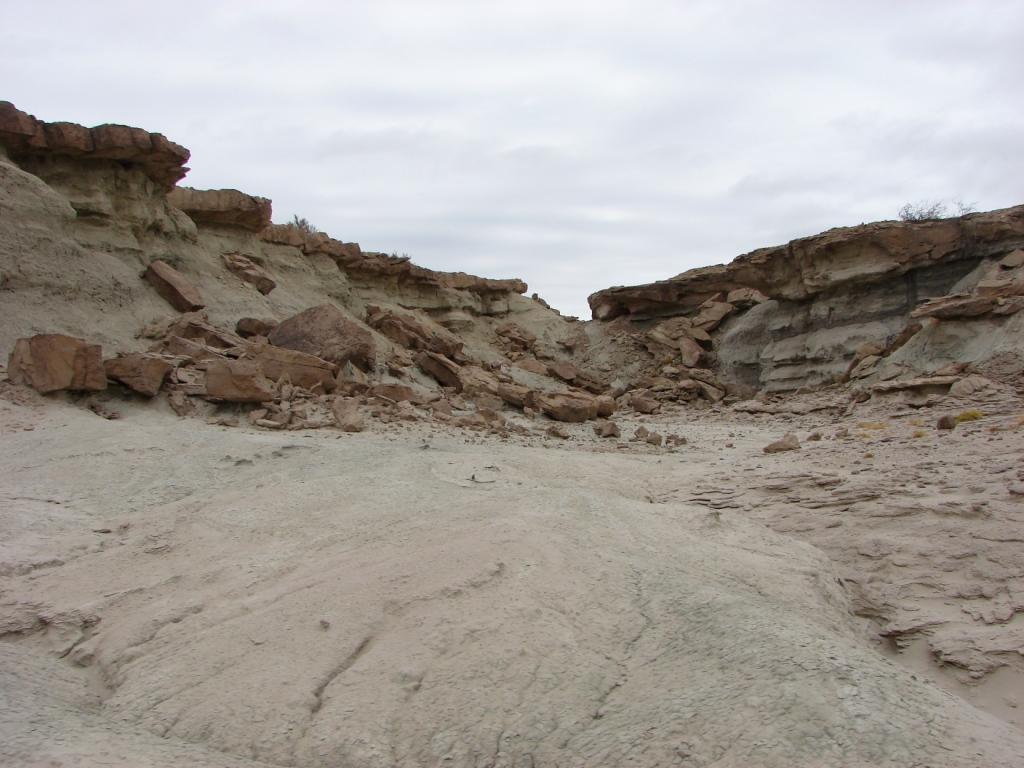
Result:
<point x="873" y="425"/>
<point x="919" y="433"/>
<point x="968" y="416"/>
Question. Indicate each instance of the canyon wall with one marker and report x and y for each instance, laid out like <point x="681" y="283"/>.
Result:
<point x="917" y="295"/>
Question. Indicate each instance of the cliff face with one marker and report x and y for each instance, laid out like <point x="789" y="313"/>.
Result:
<point x="93" y="207"/>
<point x="796" y="315"/>
<point x="88" y="210"/>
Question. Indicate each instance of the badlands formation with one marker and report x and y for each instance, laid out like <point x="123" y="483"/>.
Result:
<point x="269" y="499"/>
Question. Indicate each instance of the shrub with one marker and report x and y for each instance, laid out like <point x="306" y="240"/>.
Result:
<point x="928" y="211"/>
<point x="304" y="225"/>
<point x="923" y="211"/>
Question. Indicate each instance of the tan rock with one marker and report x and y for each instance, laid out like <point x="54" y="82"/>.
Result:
<point x="654" y="438"/>
<point x="302" y="370"/>
<point x="413" y="333"/>
<point x="557" y="430"/>
<point x="174" y="287"/>
<point x="222" y="207"/>
<point x="237" y="381"/>
<point x="745" y="297"/>
<point x="444" y="370"/>
<point x="690" y="351"/>
<point x="513" y="394"/>
<point x="970" y="386"/>
<point x="252" y="326"/>
<point x="643" y="403"/>
<point x="347" y="415"/>
<point x="605" y="428"/>
<point x="53" y="362"/>
<point x="327" y="332"/>
<point x="711" y="314"/>
<point x="606" y="405"/>
<point x="789" y="442"/>
<point x="142" y="372"/>
<point x="532" y="365"/>
<point x="249" y="271"/>
<point x="563" y="370"/>
<point x="567" y="406"/>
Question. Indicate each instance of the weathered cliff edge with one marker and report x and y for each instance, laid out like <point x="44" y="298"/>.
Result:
<point x="799" y="314"/>
<point x="88" y="212"/>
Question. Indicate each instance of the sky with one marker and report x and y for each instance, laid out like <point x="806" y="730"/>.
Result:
<point x="576" y="145"/>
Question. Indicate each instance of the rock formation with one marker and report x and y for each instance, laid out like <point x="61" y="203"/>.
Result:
<point x="275" y="500"/>
<point x="794" y="315"/>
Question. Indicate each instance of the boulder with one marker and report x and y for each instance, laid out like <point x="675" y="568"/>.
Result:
<point x="237" y="381"/>
<point x="142" y="372"/>
<point x="441" y="368"/>
<point x="563" y="370"/>
<point x="532" y="365"/>
<point x="252" y="326"/>
<point x="970" y="386"/>
<point x="413" y="333"/>
<point x="174" y="287"/>
<point x="690" y="350"/>
<point x="567" y="406"/>
<point x="347" y="416"/>
<point x="711" y="314"/>
<point x="516" y="336"/>
<point x="249" y="271"/>
<point x="605" y="405"/>
<point x="557" y="430"/>
<point x="222" y="207"/>
<point x="606" y="429"/>
<point x="302" y="370"/>
<point x="327" y="332"/>
<point x="643" y="403"/>
<point x="52" y="362"/>
<point x="398" y="393"/>
<point x="789" y="442"/>
<point x="745" y="297"/>
<point x="513" y="394"/>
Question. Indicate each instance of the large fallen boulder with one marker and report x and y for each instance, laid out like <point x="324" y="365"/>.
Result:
<point x="52" y="362"/>
<point x="142" y="372"/>
<point x="572" y="407"/>
<point x="237" y="381"/>
<point x="302" y="370"/>
<point x="174" y="287"/>
<point x="328" y="333"/>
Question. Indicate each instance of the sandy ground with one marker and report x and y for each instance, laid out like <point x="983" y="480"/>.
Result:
<point x="176" y="593"/>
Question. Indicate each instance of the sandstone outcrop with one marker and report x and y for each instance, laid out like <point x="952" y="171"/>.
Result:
<point x="53" y="362"/>
<point x="161" y="160"/>
<point x="222" y="207"/>
<point x="794" y="315"/>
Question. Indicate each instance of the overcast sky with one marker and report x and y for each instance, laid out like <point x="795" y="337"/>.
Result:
<point x="576" y="145"/>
